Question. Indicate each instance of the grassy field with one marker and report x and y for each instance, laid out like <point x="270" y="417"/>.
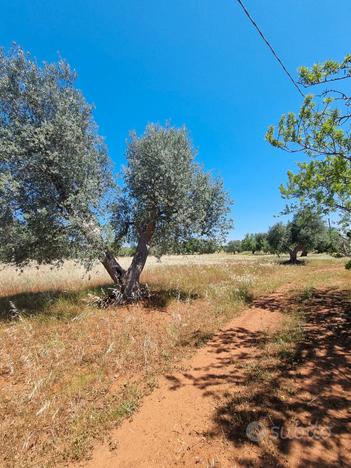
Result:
<point x="69" y="371"/>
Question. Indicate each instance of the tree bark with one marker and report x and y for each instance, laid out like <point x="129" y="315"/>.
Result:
<point x="304" y="253"/>
<point x="132" y="290"/>
<point x="113" y="268"/>
<point x="293" y="254"/>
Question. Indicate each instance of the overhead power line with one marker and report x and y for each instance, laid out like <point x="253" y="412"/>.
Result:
<point x="270" y="47"/>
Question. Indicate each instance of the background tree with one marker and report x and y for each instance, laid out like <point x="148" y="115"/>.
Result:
<point x="126" y="251"/>
<point x="303" y="232"/>
<point x="254" y="243"/>
<point x="249" y="244"/>
<point x="333" y="241"/>
<point x="233" y="246"/>
<point x="198" y="246"/>
<point x="192" y="246"/>
<point x="277" y="238"/>
<point x="321" y="130"/>
<point x="56" y="184"/>
<point x="261" y="242"/>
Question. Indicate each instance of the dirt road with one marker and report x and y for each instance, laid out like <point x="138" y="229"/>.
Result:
<point x="173" y="425"/>
<point x="185" y="421"/>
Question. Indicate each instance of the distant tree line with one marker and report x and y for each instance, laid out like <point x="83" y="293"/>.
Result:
<point x="191" y="246"/>
<point x="304" y="233"/>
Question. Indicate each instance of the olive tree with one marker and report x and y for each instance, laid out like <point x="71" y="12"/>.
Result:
<point x="196" y="246"/>
<point x="254" y="242"/>
<point x="233" y="246"/>
<point x="276" y="238"/>
<point x="334" y="241"/>
<point x="58" y="198"/>
<point x="261" y="241"/>
<point x="302" y="233"/>
<point x="167" y="199"/>
<point x="249" y="243"/>
<point x="54" y="171"/>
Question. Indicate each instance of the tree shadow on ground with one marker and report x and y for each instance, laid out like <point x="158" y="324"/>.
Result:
<point x="29" y="304"/>
<point x="211" y="378"/>
<point x="298" y="262"/>
<point x="307" y="392"/>
<point x="314" y="422"/>
<point x="33" y="303"/>
<point x="161" y="298"/>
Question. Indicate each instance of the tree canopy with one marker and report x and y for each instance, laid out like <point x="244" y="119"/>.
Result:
<point x="322" y="131"/>
<point x="54" y="169"/>
<point x="254" y="242"/>
<point x="276" y="238"/>
<point x="233" y="246"/>
<point x="165" y="189"/>
<point x="333" y="241"/>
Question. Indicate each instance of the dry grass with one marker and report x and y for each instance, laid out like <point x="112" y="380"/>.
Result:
<point x="72" y="276"/>
<point x="69" y="372"/>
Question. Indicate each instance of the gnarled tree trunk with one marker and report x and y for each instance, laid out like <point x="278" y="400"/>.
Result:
<point x="304" y="253"/>
<point x="293" y="254"/>
<point x="127" y="281"/>
<point x="113" y="268"/>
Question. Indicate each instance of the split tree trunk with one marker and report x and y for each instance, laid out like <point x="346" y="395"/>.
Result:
<point x="304" y="253"/>
<point x="128" y="281"/>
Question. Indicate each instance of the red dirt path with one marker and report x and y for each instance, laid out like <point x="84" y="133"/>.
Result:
<point x="178" y="424"/>
<point x="170" y="426"/>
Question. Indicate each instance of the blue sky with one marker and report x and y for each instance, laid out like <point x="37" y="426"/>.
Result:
<point x="195" y="62"/>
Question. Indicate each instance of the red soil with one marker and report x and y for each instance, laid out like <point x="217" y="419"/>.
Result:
<point x="184" y="421"/>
